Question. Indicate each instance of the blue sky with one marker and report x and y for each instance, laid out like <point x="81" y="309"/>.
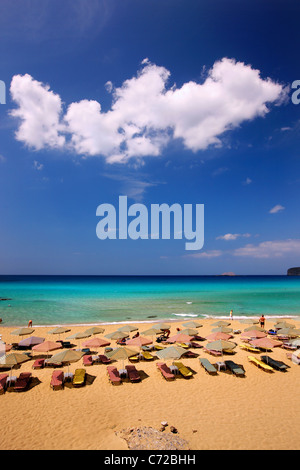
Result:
<point x="165" y="102"/>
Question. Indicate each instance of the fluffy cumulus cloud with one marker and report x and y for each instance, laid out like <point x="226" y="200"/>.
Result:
<point x="232" y="236"/>
<point x="270" y="249"/>
<point x="146" y="112"/>
<point x="39" y="111"/>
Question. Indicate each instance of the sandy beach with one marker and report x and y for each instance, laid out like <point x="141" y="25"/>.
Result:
<point x="260" y="411"/>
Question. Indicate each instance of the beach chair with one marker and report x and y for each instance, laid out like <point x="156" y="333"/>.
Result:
<point x="3" y="378"/>
<point x="113" y="375"/>
<point x="190" y="354"/>
<point x="133" y="374"/>
<point x="165" y="371"/>
<point x="195" y="345"/>
<point x="183" y="345"/>
<point x="236" y="369"/>
<point x="87" y="360"/>
<point x="183" y="370"/>
<point x="134" y="358"/>
<point x="49" y="363"/>
<point x="147" y="356"/>
<point x="22" y="382"/>
<point x="260" y="364"/>
<point x="79" y="378"/>
<point x="38" y="364"/>
<point x="248" y="347"/>
<point x="212" y="352"/>
<point x="208" y="367"/>
<point x="104" y="359"/>
<point x="278" y="365"/>
<point x="57" y="380"/>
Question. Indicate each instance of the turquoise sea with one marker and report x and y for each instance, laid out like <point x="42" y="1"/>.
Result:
<point x="57" y="300"/>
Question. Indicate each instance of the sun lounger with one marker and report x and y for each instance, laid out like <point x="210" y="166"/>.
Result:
<point x="22" y="382"/>
<point x="49" y="363"/>
<point x="133" y="374"/>
<point x="114" y="375"/>
<point x="3" y="378"/>
<point x="278" y="365"/>
<point x="212" y="352"/>
<point x="147" y="356"/>
<point x="79" y="378"/>
<point x="57" y="380"/>
<point x="236" y="369"/>
<point x="165" y="371"/>
<point x="183" y="370"/>
<point x="195" y="345"/>
<point x="134" y="358"/>
<point x="87" y="360"/>
<point x="104" y="359"/>
<point x="38" y="364"/>
<point x="260" y="364"/>
<point x="190" y="354"/>
<point x="183" y="345"/>
<point x="290" y="346"/>
<point x="209" y="368"/>
<point x="248" y="347"/>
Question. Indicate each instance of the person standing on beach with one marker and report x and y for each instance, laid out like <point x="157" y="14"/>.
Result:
<point x="30" y="324"/>
<point x="231" y="314"/>
<point x="262" y="321"/>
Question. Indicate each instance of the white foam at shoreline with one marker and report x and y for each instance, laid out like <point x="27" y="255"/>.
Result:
<point x="158" y="320"/>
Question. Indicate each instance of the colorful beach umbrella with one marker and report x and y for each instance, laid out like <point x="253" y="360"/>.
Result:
<point x="47" y="346"/>
<point x="265" y="343"/>
<point x="254" y="328"/>
<point x="220" y="345"/>
<point x="218" y="335"/>
<point x="291" y="332"/>
<point x="151" y="332"/>
<point x="138" y="341"/>
<point x="249" y="321"/>
<point x="121" y="353"/>
<point x="95" y="343"/>
<point x="189" y="331"/>
<point x="162" y="326"/>
<point x="59" y="330"/>
<point x="180" y="338"/>
<point x="171" y="352"/>
<point x="22" y="331"/>
<point x="117" y="335"/>
<point x="222" y="329"/>
<point x="31" y="341"/>
<point x="95" y="330"/>
<point x="13" y="359"/>
<point x="127" y="328"/>
<point x="192" y="324"/>
<point x="67" y="357"/>
<point x="283" y="324"/>
<point x="221" y="323"/>
<point x="253" y="334"/>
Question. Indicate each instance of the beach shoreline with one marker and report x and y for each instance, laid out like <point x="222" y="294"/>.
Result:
<point x="210" y="412"/>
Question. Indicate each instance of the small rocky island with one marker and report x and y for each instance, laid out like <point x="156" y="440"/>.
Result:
<point x="293" y="272"/>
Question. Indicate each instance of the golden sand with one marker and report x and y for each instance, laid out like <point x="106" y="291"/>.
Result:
<point x="260" y="411"/>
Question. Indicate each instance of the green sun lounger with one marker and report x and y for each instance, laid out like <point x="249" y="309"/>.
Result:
<point x="209" y="368"/>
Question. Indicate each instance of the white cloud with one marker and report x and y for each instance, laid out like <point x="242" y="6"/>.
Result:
<point x="270" y="249"/>
<point x="37" y="165"/>
<point x="276" y="209"/>
<point x="145" y="113"/>
<point x="39" y="111"/>
<point x="247" y="181"/>
<point x="205" y="254"/>
<point x="232" y="236"/>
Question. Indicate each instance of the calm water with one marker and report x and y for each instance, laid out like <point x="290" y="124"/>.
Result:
<point x="54" y="300"/>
